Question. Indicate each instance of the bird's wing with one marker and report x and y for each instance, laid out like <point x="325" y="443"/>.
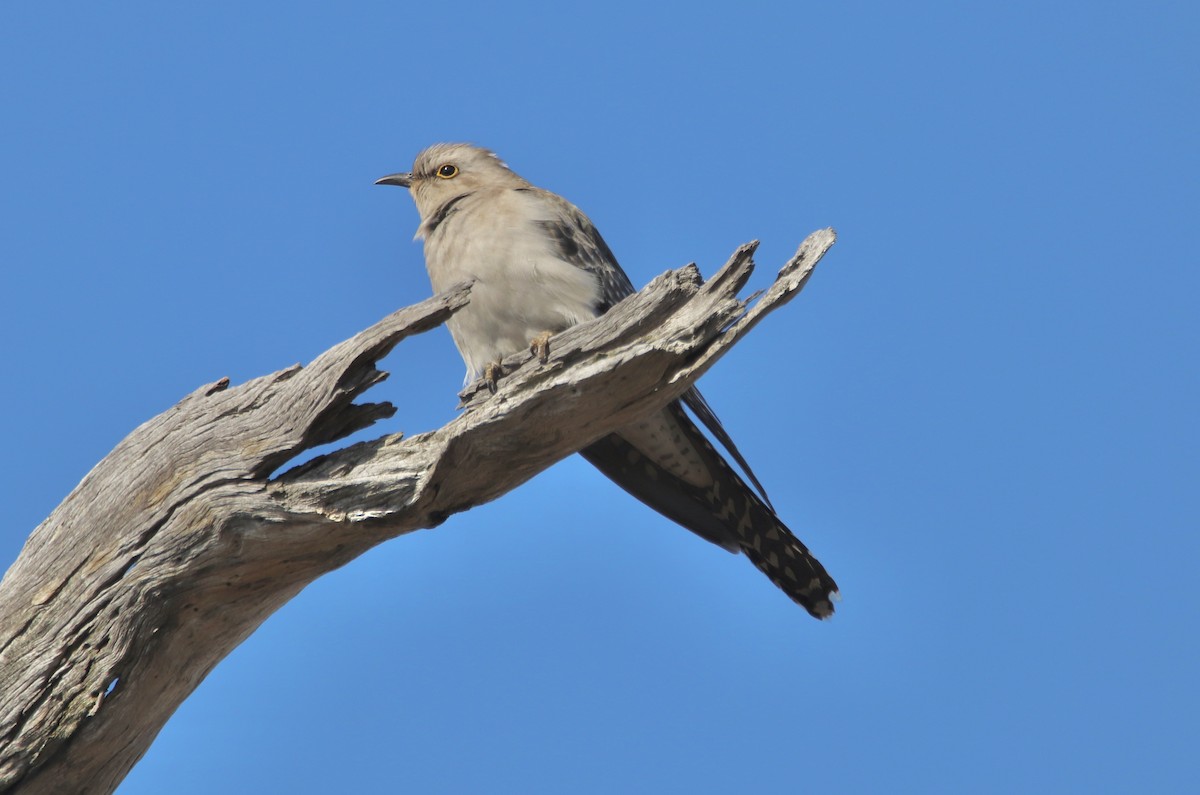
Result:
<point x="699" y="406"/>
<point x="579" y="242"/>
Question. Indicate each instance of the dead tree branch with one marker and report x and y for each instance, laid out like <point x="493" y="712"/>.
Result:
<point x="180" y="543"/>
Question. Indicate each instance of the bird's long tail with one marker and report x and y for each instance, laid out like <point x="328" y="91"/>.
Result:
<point x="652" y="464"/>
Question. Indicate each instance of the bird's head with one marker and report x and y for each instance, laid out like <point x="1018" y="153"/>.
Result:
<point x="444" y="172"/>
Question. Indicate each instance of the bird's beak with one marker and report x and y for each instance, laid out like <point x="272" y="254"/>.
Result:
<point x="403" y="180"/>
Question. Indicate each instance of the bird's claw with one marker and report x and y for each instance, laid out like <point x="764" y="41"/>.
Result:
<point x="492" y="373"/>
<point x="539" y="346"/>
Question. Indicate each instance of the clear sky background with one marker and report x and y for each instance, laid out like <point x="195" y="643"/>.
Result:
<point x="981" y="414"/>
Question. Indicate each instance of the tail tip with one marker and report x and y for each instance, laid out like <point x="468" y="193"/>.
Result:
<point x="823" y="608"/>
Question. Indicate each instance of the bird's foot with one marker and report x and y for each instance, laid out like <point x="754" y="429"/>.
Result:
<point x="492" y="373"/>
<point x="539" y="346"/>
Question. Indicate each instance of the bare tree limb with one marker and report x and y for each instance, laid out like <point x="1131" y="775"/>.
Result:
<point x="180" y="543"/>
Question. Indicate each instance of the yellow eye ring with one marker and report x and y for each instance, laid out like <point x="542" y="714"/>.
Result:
<point x="448" y="171"/>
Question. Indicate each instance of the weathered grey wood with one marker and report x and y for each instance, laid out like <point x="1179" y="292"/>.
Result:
<point x="177" y="545"/>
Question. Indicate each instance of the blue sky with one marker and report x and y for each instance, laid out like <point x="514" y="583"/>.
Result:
<point x="981" y="414"/>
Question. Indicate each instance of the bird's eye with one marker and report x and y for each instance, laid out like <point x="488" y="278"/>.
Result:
<point x="448" y="171"/>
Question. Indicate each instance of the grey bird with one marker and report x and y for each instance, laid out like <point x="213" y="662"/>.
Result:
<point x="539" y="266"/>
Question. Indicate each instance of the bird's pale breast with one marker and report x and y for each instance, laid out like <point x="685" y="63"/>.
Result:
<point x="522" y="286"/>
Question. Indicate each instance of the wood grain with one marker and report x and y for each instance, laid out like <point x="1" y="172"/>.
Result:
<point x="183" y="540"/>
